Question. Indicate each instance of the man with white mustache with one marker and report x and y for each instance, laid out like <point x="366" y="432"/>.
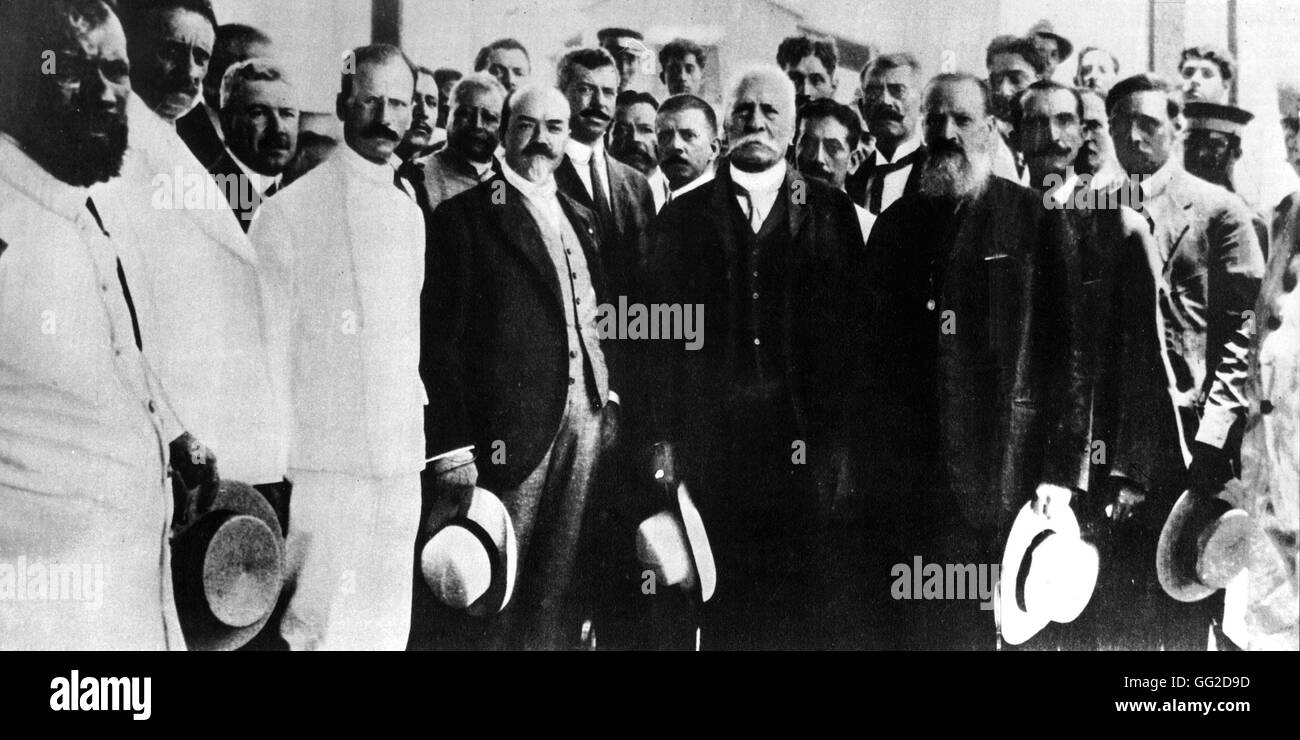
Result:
<point x="974" y="370"/>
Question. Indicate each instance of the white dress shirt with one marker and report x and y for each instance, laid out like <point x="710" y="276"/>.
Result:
<point x="762" y="188"/>
<point x="664" y="195"/>
<point x="581" y="155"/>
<point x="83" y="442"/>
<point x="896" y="180"/>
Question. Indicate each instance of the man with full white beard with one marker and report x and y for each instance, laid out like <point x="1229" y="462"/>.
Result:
<point x="974" y="373"/>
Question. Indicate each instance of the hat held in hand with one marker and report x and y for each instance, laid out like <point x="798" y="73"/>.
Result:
<point x="470" y="559"/>
<point x="674" y="542"/>
<point x="1203" y="545"/>
<point x="1048" y="573"/>
<point x="227" y="567"/>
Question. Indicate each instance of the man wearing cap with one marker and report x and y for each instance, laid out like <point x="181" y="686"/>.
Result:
<point x="342" y="253"/>
<point x="473" y="134"/>
<point x="1052" y="46"/>
<point x="1212" y="149"/>
<point x="757" y="416"/>
<point x="259" y="118"/>
<point x="618" y="195"/>
<point x="629" y="51"/>
<point x="891" y="108"/>
<point x="1208" y="267"/>
<point x="515" y="366"/>
<point x="83" y="482"/>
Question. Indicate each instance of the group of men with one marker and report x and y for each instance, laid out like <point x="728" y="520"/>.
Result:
<point x="918" y="316"/>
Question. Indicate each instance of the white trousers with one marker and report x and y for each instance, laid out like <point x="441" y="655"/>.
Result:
<point x="349" y="551"/>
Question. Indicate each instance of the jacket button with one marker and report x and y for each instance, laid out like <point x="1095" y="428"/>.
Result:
<point x="756" y="342"/>
<point x="1265" y="406"/>
<point x="573" y="353"/>
<point x="571" y="381"/>
<point x="152" y="409"/>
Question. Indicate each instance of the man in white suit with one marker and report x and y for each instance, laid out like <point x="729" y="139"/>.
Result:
<point x="342" y="254"/>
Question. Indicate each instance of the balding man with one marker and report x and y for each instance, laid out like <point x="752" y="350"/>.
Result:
<point x="755" y="415"/>
<point x="975" y="385"/>
<point x="516" y="366"/>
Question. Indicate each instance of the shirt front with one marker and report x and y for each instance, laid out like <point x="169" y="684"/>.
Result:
<point x="759" y="189"/>
<point x="582" y="154"/>
<point x="896" y="179"/>
<point x="261" y="183"/>
<point x="82" y="437"/>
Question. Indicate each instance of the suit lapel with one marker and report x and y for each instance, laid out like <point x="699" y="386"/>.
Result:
<point x="567" y="180"/>
<point x="723" y="203"/>
<point x="522" y="232"/>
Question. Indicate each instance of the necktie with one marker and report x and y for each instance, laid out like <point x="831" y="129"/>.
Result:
<point x="751" y="210"/>
<point x="878" y="173"/>
<point x="599" y="195"/>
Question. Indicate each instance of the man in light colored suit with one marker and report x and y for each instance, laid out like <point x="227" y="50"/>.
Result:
<point x="342" y="252"/>
<point x="1208" y="266"/>
<point x="473" y="133"/>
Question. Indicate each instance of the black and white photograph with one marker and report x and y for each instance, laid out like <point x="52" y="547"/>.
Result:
<point x="650" y="325"/>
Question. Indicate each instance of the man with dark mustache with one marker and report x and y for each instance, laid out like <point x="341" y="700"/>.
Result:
<point x="686" y="132"/>
<point x="829" y="133"/>
<point x="82" y="477"/>
<point x="422" y="139"/>
<point x="342" y="254"/>
<point x="756" y="419"/>
<point x="891" y="107"/>
<point x="974" y="370"/>
<point x="259" y="114"/>
<point x="632" y="140"/>
<point x="512" y="353"/>
<point x="1125" y="393"/>
<point x="618" y="194"/>
<point x="473" y="130"/>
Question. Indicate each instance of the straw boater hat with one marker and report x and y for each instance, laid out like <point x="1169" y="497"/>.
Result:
<point x="674" y="541"/>
<point x="1048" y="574"/>
<point x="1203" y="545"/>
<point x="227" y="567"/>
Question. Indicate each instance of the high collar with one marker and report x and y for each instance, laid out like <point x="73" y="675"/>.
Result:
<point x="544" y="190"/>
<point x="379" y="173"/>
<point x="1156" y="184"/>
<point x="22" y="173"/>
<point x="760" y="182"/>
<point x="704" y="178"/>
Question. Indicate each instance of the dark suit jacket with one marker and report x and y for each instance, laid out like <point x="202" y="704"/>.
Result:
<point x="858" y="183"/>
<point x="1211" y="266"/>
<point x="196" y="130"/>
<point x="239" y="192"/>
<point x="633" y="209"/>
<point x="494" y="349"/>
<point x="975" y="361"/>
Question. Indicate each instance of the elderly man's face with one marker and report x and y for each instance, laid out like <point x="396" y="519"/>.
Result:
<point x="1050" y="132"/>
<point x="1009" y="75"/>
<point x="537" y="133"/>
<point x="510" y="66"/>
<point x="1211" y="155"/>
<point x="812" y="81"/>
<point x="75" y="126"/>
<point x="891" y="102"/>
<point x="633" y="142"/>
<point x="168" y="70"/>
<point x="261" y="123"/>
<point x="591" y="94"/>
<point x="424" y="112"/>
<point x="823" y="152"/>
<point x="1144" y="134"/>
<point x="683" y="75"/>
<point x="1097" y="71"/>
<point x="224" y="58"/>
<point x="1097" y="148"/>
<point x="761" y="124"/>
<point x="959" y="135"/>
<point x="687" y="145"/>
<point x="474" y="125"/>
<point x="378" y="112"/>
<point x="1203" y="80"/>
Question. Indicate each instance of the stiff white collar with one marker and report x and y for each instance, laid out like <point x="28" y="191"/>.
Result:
<point x="767" y="181"/>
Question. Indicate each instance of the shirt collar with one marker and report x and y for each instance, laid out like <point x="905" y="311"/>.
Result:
<point x="379" y="173"/>
<point x="766" y="181"/>
<point x="705" y="177"/>
<point x="25" y="175"/>
<point x="261" y="182"/>
<point x="535" y="191"/>
<point x="903" y="149"/>
<point x="1063" y="191"/>
<point x="580" y="153"/>
<point x="1154" y="185"/>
